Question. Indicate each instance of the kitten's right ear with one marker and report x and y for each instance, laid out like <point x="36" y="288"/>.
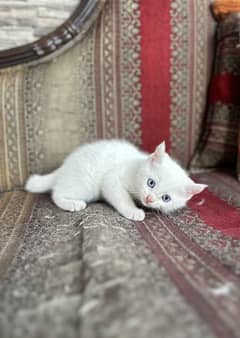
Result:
<point x="157" y="156"/>
<point x="194" y="189"/>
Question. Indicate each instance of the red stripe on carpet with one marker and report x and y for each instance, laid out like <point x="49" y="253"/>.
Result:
<point x="217" y="213"/>
<point x="155" y="72"/>
<point x="193" y="294"/>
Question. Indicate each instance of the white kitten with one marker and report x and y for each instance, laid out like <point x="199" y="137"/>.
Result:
<point x="118" y="172"/>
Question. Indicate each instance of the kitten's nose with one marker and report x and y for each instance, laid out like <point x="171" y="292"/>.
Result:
<point x="149" y="199"/>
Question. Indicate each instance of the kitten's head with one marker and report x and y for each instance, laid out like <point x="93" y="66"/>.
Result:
<point x="162" y="184"/>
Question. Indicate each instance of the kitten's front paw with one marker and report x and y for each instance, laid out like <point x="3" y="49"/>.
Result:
<point x="77" y="205"/>
<point x="135" y="214"/>
<point x="69" y="204"/>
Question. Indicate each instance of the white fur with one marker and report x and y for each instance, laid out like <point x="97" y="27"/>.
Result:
<point x="117" y="171"/>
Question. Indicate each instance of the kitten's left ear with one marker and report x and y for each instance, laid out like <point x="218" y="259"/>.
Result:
<point x="194" y="189"/>
<point x="158" y="154"/>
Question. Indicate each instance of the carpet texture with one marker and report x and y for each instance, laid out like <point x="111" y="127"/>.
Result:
<point x="96" y="274"/>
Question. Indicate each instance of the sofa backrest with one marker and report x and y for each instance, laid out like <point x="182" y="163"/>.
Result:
<point x="140" y="72"/>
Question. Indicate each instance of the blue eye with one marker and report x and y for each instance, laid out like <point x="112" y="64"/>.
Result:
<point x="151" y="183"/>
<point x="166" y="198"/>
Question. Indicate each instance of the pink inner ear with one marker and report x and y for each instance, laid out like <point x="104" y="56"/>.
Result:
<point x="195" y="189"/>
<point x="158" y="153"/>
<point x="153" y="158"/>
<point x="191" y="191"/>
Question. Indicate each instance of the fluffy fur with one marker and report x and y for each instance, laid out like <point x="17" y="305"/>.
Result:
<point x="119" y="173"/>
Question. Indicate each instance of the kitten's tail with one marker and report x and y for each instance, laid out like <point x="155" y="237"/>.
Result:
<point x="41" y="183"/>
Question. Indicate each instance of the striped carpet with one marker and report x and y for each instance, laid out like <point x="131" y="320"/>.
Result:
<point x="96" y="274"/>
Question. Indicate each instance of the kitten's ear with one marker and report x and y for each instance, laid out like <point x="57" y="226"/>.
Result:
<point x="194" y="189"/>
<point x="158" y="154"/>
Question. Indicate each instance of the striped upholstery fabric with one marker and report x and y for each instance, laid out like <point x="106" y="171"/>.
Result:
<point x="140" y="73"/>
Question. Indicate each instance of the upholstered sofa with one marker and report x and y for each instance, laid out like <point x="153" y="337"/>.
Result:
<point x="143" y="70"/>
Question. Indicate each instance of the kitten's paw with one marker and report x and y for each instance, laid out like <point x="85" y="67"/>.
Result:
<point x="135" y="214"/>
<point x="69" y="204"/>
<point x="77" y="205"/>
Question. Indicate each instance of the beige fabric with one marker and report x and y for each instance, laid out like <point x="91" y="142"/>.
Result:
<point x="13" y="158"/>
<point x="46" y="110"/>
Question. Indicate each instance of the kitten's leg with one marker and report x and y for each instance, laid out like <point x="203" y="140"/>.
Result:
<point x="114" y="193"/>
<point x="68" y="204"/>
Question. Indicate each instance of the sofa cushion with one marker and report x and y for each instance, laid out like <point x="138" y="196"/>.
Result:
<point x="96" y="274"/>
<point x="127" y="78"/>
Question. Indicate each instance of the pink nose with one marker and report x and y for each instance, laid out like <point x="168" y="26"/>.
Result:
<point x="149" y="199"/>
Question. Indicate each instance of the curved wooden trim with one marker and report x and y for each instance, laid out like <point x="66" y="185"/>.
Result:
<point x="53" y="41"/>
